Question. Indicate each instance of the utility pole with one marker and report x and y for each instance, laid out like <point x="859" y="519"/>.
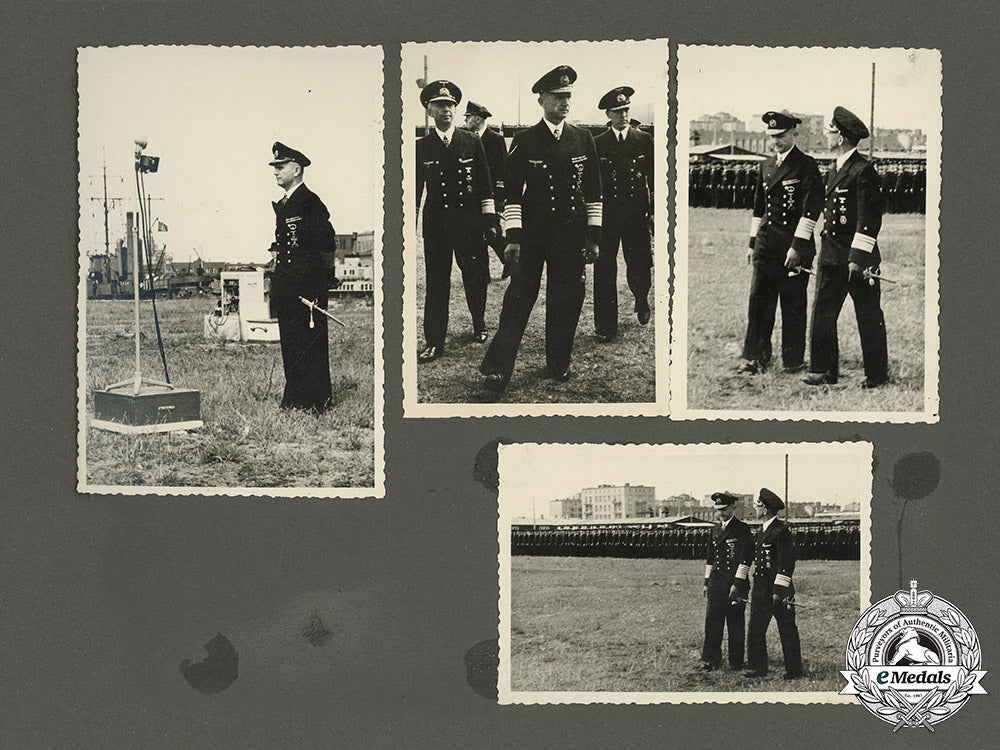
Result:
<point x="107" y="242"/>
<point x="788" y="500"/>
<point x="871" y="143"/>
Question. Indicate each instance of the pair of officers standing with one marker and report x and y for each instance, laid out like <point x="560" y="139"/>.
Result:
<point x="553" y="204"/>
<point x="732" y="549"/>
<point x="788" y="200"/>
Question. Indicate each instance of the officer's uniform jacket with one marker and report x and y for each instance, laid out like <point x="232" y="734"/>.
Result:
<point x="774" y="554"/>
<point x="626" y="173"/>
<point x="496" y="154"/>
<point x="551" y="183"/>
<point x="852" y="215"/>
<point x="305" y="243"/>
<point x="457" y="176"/>
<point x="787" y="202"/>
<point x="730" y="553"/>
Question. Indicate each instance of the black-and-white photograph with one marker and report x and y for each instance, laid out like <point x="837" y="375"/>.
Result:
<point x="681" y="573"/>
<point x="807" y="176"/>
<point x="230" y="237"/>
<point x="524" y="163"/>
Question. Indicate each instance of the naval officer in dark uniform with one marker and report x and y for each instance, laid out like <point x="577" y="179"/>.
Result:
<point x="852" y="218"/>
<point x="730" y="554"/>
<point x="495" y="146"/>
<point x="773" y="593"/>
<point x="552" y="217"/>
<point x="458" y="215"/>
<point x="304" y="250"/>
<point x="787" y="202"/>
<point x="626" y="155"/>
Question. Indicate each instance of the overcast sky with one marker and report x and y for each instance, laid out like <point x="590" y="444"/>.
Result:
<point x="211" y="115"/>
<point x="499" y="75"/>
<point x="833" y="473"/>
<point x="748" y="81"/>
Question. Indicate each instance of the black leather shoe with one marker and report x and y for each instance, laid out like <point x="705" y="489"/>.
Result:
<point x="560" y="377"/>
<point x="794" y="369"/>
<point x="753" y="674"/>
<point x="481" y="336"/>
<point x="791" y="675"/>
<point x="429" y="354"/>
<point x="642" y="312"/>
<point x="495" y="382"/>
<point x="872" y="383"/>
<point x="748" y="367"/>
<point x="819" y="378"/>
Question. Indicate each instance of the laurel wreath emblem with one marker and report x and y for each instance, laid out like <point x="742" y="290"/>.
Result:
<point x="890" y="703"/>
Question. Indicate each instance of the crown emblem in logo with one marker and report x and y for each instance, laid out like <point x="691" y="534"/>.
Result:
<point x="564" y="79"/>
<point x="621" y="97"/>
<point x="915" y="602"/>
<point x="444" y="91"/>
<point x="773" y="123"/>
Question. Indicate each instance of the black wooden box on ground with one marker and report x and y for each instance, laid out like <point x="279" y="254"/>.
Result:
<point x="156" y="408"/>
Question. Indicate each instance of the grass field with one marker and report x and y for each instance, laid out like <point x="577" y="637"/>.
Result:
<point x="623" y="371"/>
<point x="719" y="286"/>
<point x="247" y="441"/>
<point x="607" y="624"/>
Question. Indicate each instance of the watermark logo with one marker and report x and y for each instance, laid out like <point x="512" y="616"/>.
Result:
<point x="913" y="659"/>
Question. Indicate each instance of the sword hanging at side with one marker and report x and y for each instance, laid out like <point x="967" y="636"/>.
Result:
<point x="316" y="308"/>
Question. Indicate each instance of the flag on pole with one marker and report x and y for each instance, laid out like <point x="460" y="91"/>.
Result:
<point x="160" y="226"/>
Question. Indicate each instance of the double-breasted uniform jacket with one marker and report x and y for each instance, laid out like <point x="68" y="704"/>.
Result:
<point x="552" y="186"/>
<point x="730" y="553"/>
<point x="626" y="174"/>
<point x="852" y="214"/>
<point x="306" y="243"/>
<point x="456" y="177"/>
<point x="496" y="155"/>
<point x="787" y="202"/>
<point x="774" y="555"/>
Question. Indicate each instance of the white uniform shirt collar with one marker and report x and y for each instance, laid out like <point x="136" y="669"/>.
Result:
<point x="450" y="132"/>
<point x="781" y="157"/>
<point x="767" y="523"/>
<point x="620" y="135"/>
<point x="552" y="128"/>
<point x="842" y="159"/>
<point x="726" y="522"/>
<point x="288" y="193"/>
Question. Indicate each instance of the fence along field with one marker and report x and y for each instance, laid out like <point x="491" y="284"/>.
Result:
<point x="588" y="624"/>
<point x="247" y="441"/>
<point x="718" y="290"/>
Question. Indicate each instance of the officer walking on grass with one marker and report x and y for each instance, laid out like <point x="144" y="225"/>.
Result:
<point x="730" y="553"/>
<point x="626" y="155"/>
<point x="773" y="593"/>
<point x="852" y="218"/>
<point x="553" y="220"/>
<point x="458" y="214"/>
<point x="787" y="203"/>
